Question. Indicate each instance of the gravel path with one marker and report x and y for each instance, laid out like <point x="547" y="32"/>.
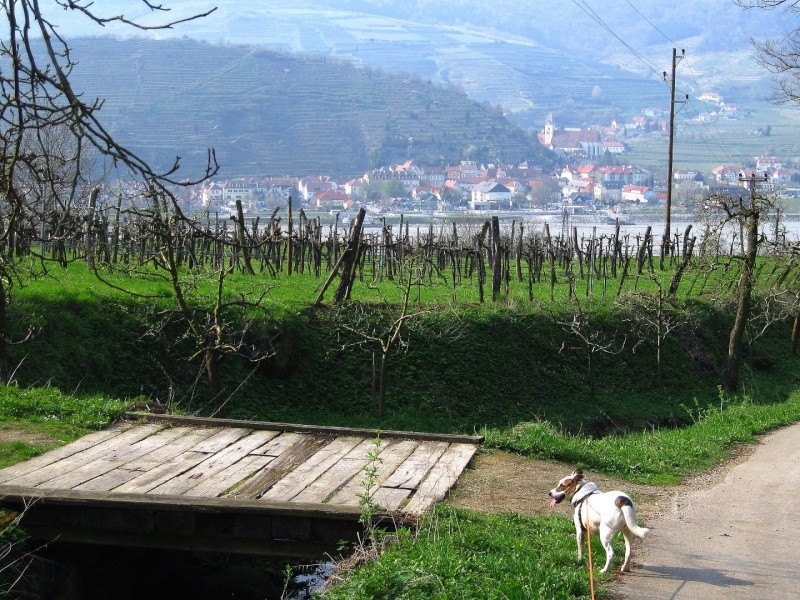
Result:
<point x="733" y="536"/>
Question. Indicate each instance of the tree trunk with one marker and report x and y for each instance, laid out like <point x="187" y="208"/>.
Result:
<point x="89" y="228"/>
<point x="4" y="370"/>
<point x="212" y="362"/>
<point x="241" y="236"/>
<point x="744" y="291"/>
<point x="382" y="384"/>
<point x="497" y="273"/>
<point x="350" y="260"/>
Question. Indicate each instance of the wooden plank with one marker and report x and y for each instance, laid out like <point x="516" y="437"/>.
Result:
<point x="95" y="452"/>
<point x="131" y="470"/>
<point x="48" y="458"/>
<point x="222" y="439"/>
<point x="390" y="498"/>
<point x="306" y="473"/>
<point x="215" y="543"/>
<point x="242" y="471"/>
<point x="181" y="459"/>
<point x="279" y="445"/>
<point x="335" y="478"/>
<point x="283" y="464"/>
<point x="20" y="497"/>
<point x="392" y="456"/>
<point x="441" y="478"/>
<point x="309" y="429"/>
<point x="215" y="463"/>
<point x="415" y="467"/>
<point x="226" y="479"/>
<point x="119" y="457"/>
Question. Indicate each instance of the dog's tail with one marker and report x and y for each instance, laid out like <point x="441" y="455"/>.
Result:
<point x="626" y="506"/>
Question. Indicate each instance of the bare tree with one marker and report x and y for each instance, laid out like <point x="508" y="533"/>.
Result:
<point x="384" y="327"/>
<point x="218" y="325"/>
<point x="39" y="110"/>
<point x="592" y="339"/>
<point x="655" y="316"/>
<point x="775" y="306"/>
<point x="745" y="213"/>
<point x="781" y="56"/>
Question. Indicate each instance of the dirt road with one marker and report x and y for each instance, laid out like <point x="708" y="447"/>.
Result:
<point x="732" y="533"/>
<point x="734" y="538"/>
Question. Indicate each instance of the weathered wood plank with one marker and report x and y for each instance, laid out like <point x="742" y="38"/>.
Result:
<point x="308" y="429"/>
<point x="236" y="473"/>
<point x="283" y="464"/>
<point x="279" y="445"/>
<point x="95" y="452"/>
<point x="222" y="439"/>
<point x="21" y="496"/>
<point x="415" y="467"/>
<point x="440" y="478"/>
<point x="330" y="482"/>
<point x="57" y="454"/>
<point x="121" y="456"/>
<point x="306" y="473"/>
<point x="215" y="463"/>
<point x="180" y="461"/>
<point x="146" y="463"/>
<point x="390" y="498"/>
<point x="392" y="456"/>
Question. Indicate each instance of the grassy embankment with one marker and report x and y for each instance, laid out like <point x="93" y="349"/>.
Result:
<point x="512" y="371"/>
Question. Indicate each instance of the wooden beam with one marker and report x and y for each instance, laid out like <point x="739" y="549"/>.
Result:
<point x="20" y="497"/>
<point x="207" y="543"/>
<point x="314" y="429"/>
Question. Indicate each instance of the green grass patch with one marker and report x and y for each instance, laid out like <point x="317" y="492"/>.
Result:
<point x="658" y="456"/>
<point x="35" y="420"/>
<point x="459" y="554"/>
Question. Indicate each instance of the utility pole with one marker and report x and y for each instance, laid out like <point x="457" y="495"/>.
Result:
<point x="667" y="233"/>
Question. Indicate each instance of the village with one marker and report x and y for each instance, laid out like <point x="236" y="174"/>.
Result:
<point x="593" y="179"/>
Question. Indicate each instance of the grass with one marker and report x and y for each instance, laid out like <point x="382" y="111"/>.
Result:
<point x="50" y="418"/>
<point x="661" y="456"/>
<point x="458" y="554"/>
<point x="461" y="554"/>
<point x="461" y="368"/>
<point x="510" y="369"/>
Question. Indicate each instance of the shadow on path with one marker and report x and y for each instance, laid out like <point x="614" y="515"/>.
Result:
<point x="689" y="574"/>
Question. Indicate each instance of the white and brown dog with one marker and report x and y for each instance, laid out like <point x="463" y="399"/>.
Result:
<point x="605" y="513"/>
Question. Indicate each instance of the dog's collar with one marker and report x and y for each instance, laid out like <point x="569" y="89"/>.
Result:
<point x="586" y="489"/>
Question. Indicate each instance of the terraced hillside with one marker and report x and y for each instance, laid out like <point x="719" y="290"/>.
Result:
<point x="270" y="113"/>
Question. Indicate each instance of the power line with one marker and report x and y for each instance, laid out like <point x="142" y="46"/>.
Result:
<point x="713" y="142"/>
<point x="582" y="5"/>
<point x="649" y="22"/>
<point x="717" y="139"/>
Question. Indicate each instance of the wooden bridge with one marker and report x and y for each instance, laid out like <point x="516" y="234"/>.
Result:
<point x="231" y="486"/>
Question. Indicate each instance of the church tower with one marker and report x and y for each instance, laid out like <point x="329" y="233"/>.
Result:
<point x="548" y="130"/>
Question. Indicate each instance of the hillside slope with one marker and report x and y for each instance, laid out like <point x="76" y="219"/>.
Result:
<point x="274" y="114"/>
<point x="529" y="57"/>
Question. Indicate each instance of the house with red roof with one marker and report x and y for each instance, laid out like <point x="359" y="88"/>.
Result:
<point x="331" y="200"/>
<point x="635" y="193"/>
<point x="726" y="174"/>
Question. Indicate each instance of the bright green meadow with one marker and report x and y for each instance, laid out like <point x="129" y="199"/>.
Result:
<point x="513" y="371"/>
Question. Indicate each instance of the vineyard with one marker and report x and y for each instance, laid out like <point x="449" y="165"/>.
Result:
<point x="234" y="299"/>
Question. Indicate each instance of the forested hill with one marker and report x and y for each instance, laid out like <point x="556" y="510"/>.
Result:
<point x="269" y="113"/>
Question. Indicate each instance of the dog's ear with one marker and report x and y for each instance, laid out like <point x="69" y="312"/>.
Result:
<point x="578" y="473"/>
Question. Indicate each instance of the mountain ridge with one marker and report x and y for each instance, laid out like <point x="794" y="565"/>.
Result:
<point x="267" y="113"/>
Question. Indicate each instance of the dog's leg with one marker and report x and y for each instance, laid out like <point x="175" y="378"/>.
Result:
<point x="606" y="533"/>
<point x="626" y="564"/>
<point x="578" y="535"/>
